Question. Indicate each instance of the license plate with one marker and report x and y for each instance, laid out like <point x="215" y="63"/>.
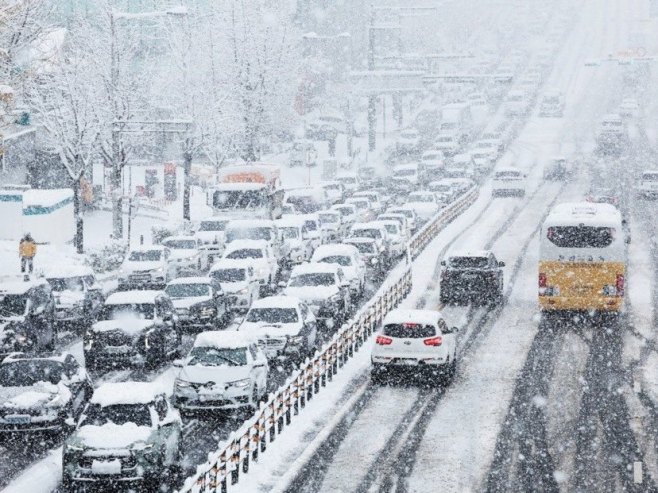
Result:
<point x="209" y="397"/>
<point x="106" y="468"/>
<point x="407" y="361"/>
<point x="18" y="420"/>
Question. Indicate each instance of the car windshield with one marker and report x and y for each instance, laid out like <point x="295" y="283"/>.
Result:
<point x="273" y="315"/>
<point x="508" y="174"/>
<point x="180" y="244"/>
<point x="229" y="275"/>
<point x="310" y="225"/>
<point x="66" y="284"/>
<point x="366" y="233"/>
<point x="580" y="236"/>
<point x="128" y="311"/>
<point x="329" y="218"/>
<point x="12" y="304"/>
<point x="188" y="290"/>
<point x="244" y="253"/>
<point x="421" y="198"/>
<point x="289" y="233"/>
<point x="650" y="176"/>
<point x="409" y="331"/>
<point x="29" y="372"/>
<point x="365" y="247"/>
<point x="342" y="260"/>
<point x="248" y="234"/>
<point x="313" y="279"/>
<point x="350" y="180"/>
<point x="118" y="414"/>
<point x="469" y="262"/>
<point x="345" y="211"/>
<point x="145" y="256"/>
<point x="212" y="225"/>
<point x="391" y="228"/>
<point x="240" y="199"/>
<point x="212" y="356"/>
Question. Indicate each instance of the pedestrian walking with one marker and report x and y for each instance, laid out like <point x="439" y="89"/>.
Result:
<point x="27" y="249"/>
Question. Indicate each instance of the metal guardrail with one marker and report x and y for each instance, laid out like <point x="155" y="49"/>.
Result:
<point x="233" y="457"/>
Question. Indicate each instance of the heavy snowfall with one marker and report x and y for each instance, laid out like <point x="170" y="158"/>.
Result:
<point x="328" y="246"/>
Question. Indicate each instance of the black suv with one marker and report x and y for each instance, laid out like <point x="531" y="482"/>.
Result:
<point x="472" y="277"/>
<point x="135" y="328"/>
<point x="27" y="315"/>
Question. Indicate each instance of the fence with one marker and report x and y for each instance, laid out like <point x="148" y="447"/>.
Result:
<point x="234" y="456"/>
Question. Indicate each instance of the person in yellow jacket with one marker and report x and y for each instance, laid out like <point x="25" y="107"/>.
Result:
<point x="27" y="249"/>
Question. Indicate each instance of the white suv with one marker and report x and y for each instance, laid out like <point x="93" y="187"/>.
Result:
<point x="418" y="340"/>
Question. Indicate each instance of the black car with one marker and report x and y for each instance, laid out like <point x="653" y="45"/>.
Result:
<point x="472" y="277"/>
<point x="199" y="302"/>
<point x="27" y="315"/>
<point x="42" y="393"/>
<point x="134" y="328"/>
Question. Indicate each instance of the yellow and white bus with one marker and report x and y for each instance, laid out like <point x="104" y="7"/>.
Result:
<point x="582" y="259"/>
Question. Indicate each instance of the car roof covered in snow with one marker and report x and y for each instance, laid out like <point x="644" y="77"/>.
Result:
<point x="335" y="249"/>
<point x="290" y="221"/>
<point x="314" y="268"/>
<point x="223" y="339"/>
<point x="276" y="302"/>
<point x="231" y="263"/>
<point x="147" y="248"/>
<point x="586" y="213"/>
<point x="19" y="356"/>
<point x="369" y="225"/>
<point x="118" y="393"/>
<point x="19" y="284"/>
<point x="468" y="253"/>
<point x="190" y="280"/>
<point x="250" y="223"/>
<point x="67" y="271"/>
<point x="359" y="240"/>
<point x="241" y="244"/>
<point x="426" y="317"/>
<point x="179" y="238"/>
<point x="409" y="166"/>
<point x="339" y="206"/>
<point x="134" y="296"/>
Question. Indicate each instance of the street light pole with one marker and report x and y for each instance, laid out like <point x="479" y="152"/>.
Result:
<point x="372" y="98"/>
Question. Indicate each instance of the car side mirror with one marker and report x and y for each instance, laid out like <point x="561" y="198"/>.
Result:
<point x="501" y="264"/>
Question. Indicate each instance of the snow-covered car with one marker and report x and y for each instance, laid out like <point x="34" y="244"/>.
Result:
<point x="443" y="187"/>
<point x="603" y="195"/>
<point x="558" y="168"/>
<point x="461" y="166"/>
<point x="409" y="213"/>
<point x="400" y="218"/>
<point x="471" y="277"/>
<point x="133" y="327"/>
<point x="308" y="200"/>
<point x="408" y="141"/>
<point x="211" y="236"/>
<point x="146" y="267"/>
<point x="348" y="212"/>
<point x="648" y="186"/>
<point x="334" y="190"/>
<point x="508" y="181"/>
<point x="284" y="326"/>
<point x="517" y="103"/>
<point x="448" y="144"/>
<point x="184" y="254"/>
<point x="296" y="239"/>
<point x="27" y="315"/>
<point x="348" y="258"/>
<point x="288" y="209"/>
<point x="78" y="296"/>
<point x="199" y="302"/>
<point x="376" y="203"/>
<point x="612" y="135"/>
<point x="332" y="225"/>
<point x="225" y="370"/>
<point x="398" y="238"/>
<point x="363" y="210"/>
<point x="406" y="177"/>
<point x="629" y="108"/>
<point x="424" y="204"/>
<point x="239" y="282"/>
<point x="259" y="253"/>
<point x="369" y="251"/>
<point x="313" y="231"/>
<point x="552" y="104"/>
<point x="42" y="393"/>
<point x="415" y="340"/>
<point x="324" y="289"/>
<point x="485" y="153"/>
<point x="350" y="181"/>
<point x="130" y="434"/>
<point x="257" y="230"/>
<point x="376" y="232"/>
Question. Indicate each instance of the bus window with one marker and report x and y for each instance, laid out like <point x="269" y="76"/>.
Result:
<point x="580" y="236"/>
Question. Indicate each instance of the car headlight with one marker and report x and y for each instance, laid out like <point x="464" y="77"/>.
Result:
<point x="240" y="384"/>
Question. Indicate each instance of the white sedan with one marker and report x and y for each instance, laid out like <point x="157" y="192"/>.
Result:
<point x="349" y="259"/>
<point x="259" y="253"/>
<point x="424" y="204"/>
<point x="415" y="340"/>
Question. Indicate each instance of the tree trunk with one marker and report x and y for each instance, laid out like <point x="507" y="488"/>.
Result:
<point x="117" y="202"/>
<point x="78" y="239"/>
<point x="187" y="168"/>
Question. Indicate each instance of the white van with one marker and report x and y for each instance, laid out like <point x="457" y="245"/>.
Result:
<point x="456" y="119"/>
<point x="508" y="181"/>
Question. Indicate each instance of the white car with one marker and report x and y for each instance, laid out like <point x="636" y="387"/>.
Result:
<point x="401" y="219"/>
<point x="412" y="218"/>
<point x="517" y="103"/>
<point x="239" y="282"/>
<point x="375" y="200"/>
<point x="375" y="232"/>
<point x="348" y="213"/>
<point x="211" y="235"/>
<point x="424" y="204"/>
<point x="629" y="108"/>
<point x="461" y="166"/>
<point x="259" y="253"/>
<point x="295" y="237"/>
<point x="284" y="326"/>
<point x="332" y="226"/>
<point x="448" y="144"/>
<point x="224" y="370"/>
<point x="334" y="190"/>
<point x="350" y="181"/>
<point x="418" y="339"/>
<point x="397" y="236"/>
<point x="257" y="229"/>
<point x="648" y="186"/>
<point x="313" y="231"/>
<point x="350" y="261"/>
<point x="199" y="302"/>
<point x="324" y="289"/>
<point x="288" y="209"/>
<point x="552" y="104"/>
<point x="363" y="210"/>
<point x="406" y="176"/>
<point x="508" y="181"/>
<point x="185" y="254"/>
<point x="408" y="141"/>
<point x="145" y="267"/>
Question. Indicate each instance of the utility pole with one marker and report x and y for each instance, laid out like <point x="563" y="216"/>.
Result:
<point x="372" y="98"/>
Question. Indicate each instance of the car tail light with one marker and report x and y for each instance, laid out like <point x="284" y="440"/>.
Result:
<point x="619" y="284"/>
<point x="542" y="280"/>
<point x="433" y="341"/>
<point x="383" y="340"/>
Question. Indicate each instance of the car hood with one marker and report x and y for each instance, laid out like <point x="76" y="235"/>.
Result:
<point x="293" y="243"/>
<point x="64" y="298"/>
<point x="234" y="287"/>
<point x="311" y="293"/>
<point x="34" y="396"/>
<point x="130" y="326"/>
<point x="189" y="302"/>
<point x="181" y="253"/>
<point x="218" y="374"/>
<point x="262" y="330"/>
<point x="129" y="266"/>
<point x="112" y="436"/>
